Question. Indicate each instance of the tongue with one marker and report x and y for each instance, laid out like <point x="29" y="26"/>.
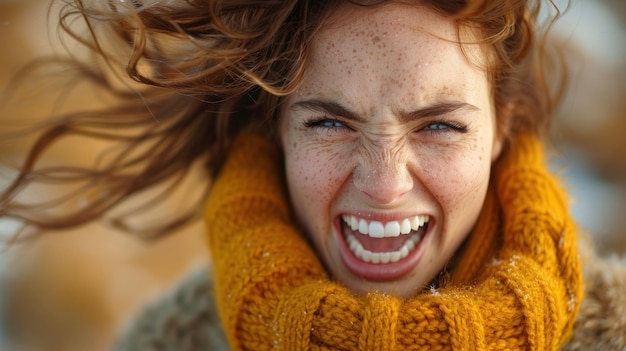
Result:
<point x="378" y="244"/>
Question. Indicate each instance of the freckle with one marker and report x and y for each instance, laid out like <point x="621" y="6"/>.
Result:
<point x="354" y="51"/>
<point x="376" y="39"/>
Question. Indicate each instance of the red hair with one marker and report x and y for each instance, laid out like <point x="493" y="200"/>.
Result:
<point x="207" y="69"/>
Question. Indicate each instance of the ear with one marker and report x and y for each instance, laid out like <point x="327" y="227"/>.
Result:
<point x="498" y="142"/>
<point x="501" y="129"/>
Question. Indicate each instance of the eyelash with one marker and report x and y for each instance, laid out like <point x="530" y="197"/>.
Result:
<point x="332" y="125"/>
<point x="444" y="126"/>
<point x="327" y="125"/>
<point x="323" y="123"/>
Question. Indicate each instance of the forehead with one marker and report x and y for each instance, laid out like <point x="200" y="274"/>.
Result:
<point x="391" y="16"/>
<point x="404" y="46"/>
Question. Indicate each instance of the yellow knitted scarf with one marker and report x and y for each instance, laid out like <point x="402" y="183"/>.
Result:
<point x="517" y="285"/>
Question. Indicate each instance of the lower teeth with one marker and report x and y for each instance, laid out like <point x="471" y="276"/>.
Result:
<point x="382" y="257"/>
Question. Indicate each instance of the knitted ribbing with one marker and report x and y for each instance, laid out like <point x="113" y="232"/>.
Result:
<point x="517" y="285"/>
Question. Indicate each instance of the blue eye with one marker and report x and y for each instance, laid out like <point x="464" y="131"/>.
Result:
<point x="437" y="126"/>
<point x="444" y="127"/>
<point x="325" y="123"/>
<point x="331" y="123"/>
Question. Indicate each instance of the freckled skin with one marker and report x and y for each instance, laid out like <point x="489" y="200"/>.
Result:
<point x="389" y="63"/>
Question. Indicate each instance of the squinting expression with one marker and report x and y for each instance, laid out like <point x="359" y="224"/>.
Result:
<point x="388" y="146"/>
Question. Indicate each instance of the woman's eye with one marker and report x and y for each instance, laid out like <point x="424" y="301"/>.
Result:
<point x="325" y="123"/>
<point x="443" y="126"/>
<point x="331" y="123"/>
<point x="437" y="126"/>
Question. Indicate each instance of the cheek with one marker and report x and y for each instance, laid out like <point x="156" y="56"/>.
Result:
<point x="459" y="181"/>
<point x="315" y="176"/>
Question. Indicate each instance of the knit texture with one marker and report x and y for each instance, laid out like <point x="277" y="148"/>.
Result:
<point x="185" y="318"/>
<point x="517" y="286"/>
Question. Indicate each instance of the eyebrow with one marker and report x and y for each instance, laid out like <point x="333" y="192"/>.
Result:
<point x="332" y="108"/>
<point x="336" y="109"/>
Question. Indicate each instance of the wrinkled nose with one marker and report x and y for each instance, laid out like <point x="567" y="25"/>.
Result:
<point x="383" y="181"/>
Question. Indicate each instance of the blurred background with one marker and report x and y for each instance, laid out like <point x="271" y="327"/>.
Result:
<point x="71" y="291"/>
<point x="74" y="291"/>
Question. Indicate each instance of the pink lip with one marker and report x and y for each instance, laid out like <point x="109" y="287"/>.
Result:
<point x="380" y="272"/>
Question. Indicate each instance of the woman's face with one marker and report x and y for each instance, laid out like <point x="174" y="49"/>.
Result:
<point x="388" y="146"/>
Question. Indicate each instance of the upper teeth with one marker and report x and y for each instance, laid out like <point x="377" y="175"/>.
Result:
<point x="390" y="229"/>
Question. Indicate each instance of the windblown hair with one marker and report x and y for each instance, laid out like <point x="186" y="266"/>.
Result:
<point x="200" y="71"/>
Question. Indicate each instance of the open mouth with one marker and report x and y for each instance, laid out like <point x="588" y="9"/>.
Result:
<point x="382" y="250"/>
<point x="377" y="242"/>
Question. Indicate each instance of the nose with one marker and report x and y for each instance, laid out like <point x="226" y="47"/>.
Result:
<point x="383" y="180"/>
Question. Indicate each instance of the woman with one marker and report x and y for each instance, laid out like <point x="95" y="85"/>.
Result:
<point x="380" y="182"/>
<point x="389" y="142"/>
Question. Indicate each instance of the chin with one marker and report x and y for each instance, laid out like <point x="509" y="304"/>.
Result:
<point x="407" y="287"/>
